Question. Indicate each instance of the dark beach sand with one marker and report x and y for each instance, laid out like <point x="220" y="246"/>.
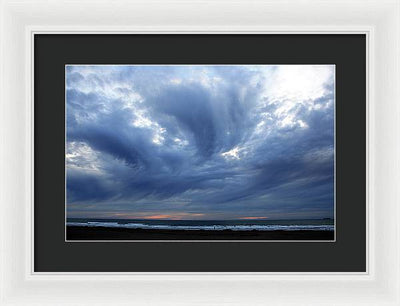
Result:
<point x="104" y="233"/>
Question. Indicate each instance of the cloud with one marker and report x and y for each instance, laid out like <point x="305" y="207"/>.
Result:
<point x="212" y="142"/>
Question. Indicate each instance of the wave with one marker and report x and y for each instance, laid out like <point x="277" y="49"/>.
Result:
<point x="250" y="227"/>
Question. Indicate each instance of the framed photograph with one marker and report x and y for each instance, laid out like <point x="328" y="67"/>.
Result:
<point x="188" y="161"/>
<point x="200" y="152"/>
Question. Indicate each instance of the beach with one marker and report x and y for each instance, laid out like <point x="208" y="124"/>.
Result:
<point x="107" y="233"/>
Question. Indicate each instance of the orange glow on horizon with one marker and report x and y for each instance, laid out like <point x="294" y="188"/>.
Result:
<point x="179" y="216"/>
<point x="253" y="218"/>
<point x="172" y="217"/>
<point x="156" y="217"/>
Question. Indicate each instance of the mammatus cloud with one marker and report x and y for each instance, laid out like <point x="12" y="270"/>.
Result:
<point x="200" y="142"/>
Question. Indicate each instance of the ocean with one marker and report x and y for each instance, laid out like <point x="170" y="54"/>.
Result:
<point x="235" y="225"/>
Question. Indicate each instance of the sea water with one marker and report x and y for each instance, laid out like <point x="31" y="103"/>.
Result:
<point x="235" y="225"/>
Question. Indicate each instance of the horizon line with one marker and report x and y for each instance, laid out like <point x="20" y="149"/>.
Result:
<point x="258" y="219"/>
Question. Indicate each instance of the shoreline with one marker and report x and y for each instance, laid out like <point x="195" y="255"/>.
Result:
<point x="107" y="233"/>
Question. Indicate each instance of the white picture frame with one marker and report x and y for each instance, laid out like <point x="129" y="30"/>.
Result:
<point x="378" y="19"/>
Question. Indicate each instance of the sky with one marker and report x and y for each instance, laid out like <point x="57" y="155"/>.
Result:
<point x="200" y="142"/>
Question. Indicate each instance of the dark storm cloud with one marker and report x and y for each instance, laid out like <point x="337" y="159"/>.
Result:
<point x="222" y="141"/>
